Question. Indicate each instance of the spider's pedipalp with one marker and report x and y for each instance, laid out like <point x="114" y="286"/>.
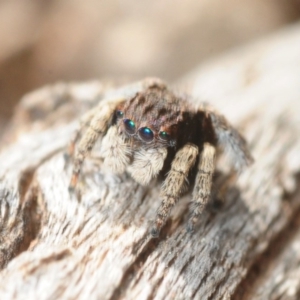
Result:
<point x="231" y="141"/>
<point x="99" y="123"/>
<point x="115" y="151"/>
<point x="203" y="182"/>
<point x="175" y="183"/>
<point x="147" y="163"/>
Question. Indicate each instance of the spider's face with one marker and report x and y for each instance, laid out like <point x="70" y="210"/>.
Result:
<point x="150" y="118"/>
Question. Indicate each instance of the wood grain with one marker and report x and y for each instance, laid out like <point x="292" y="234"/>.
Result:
<point x="54" y="246"/>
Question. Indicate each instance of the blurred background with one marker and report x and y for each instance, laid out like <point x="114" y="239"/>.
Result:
<point x="43" y="42"/>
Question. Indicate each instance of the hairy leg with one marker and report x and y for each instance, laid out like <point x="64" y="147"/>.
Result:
<point x="147" y="163"/>
<point x="231" y="141"/>
<point x="175" y="184"/>
<point x="99" y="124"/>
<point x="83" y="125"/>
<point x="203" y="183"/>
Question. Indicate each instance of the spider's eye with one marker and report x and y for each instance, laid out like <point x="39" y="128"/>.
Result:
<point x="164" y="135"/>
<point x="119" y="114"/>
<point x="146" y="134"/>
<point x="129" y="126"/>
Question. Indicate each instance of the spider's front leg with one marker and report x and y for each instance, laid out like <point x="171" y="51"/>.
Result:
<point x="100" y="119"/>
<point x="203" y="183"/>
<point x="83" y="125"/>
<point x="231" y="141"/>
<point x="175" y="184"/>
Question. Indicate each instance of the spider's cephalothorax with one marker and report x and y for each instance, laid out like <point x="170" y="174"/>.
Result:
<point x="153" y="130"/>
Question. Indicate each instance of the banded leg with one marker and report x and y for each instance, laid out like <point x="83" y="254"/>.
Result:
<point x="175" y="184"/>
<point x="203" y="183"/>
<point x="99" y="124"/>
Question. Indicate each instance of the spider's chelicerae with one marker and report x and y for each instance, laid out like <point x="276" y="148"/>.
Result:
<point x="152" y="130"/>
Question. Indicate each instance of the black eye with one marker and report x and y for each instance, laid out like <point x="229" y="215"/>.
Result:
<point x="164" y="135"/>
<point x="129" y="126"/>
<point x="119" y="114"/>
<point x="146" y="134"/>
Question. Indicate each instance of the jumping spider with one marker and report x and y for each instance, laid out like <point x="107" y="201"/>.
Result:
<point x="151" y="131"/>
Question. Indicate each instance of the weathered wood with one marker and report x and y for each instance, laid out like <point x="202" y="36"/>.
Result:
<point x="54" y="246"/>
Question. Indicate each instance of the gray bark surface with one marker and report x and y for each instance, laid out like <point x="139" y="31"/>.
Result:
<point x="56" y="247"/>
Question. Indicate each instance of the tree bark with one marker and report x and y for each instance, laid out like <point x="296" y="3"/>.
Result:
<point x="54" y="246"/>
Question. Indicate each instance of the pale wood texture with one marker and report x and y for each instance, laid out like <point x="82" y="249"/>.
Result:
<point x="56" y="247"/>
